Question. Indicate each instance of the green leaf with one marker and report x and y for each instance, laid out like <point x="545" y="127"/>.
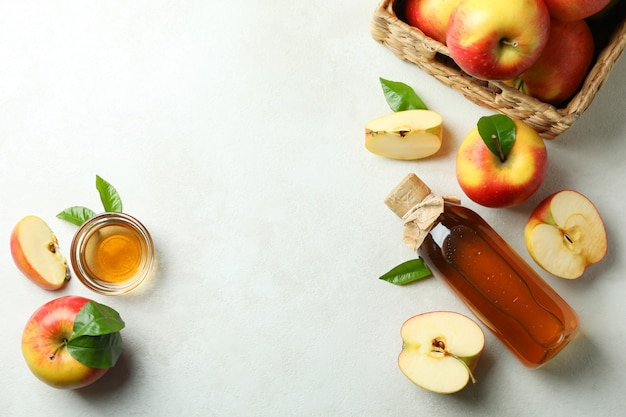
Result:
<point x="96" y="319"/>
<point x="97" y="351"/>
<point x="96" y="340"/>
<point x="108" y="195"/>
<point x="401" y="97"/>
<point x="498" y="133"/>
<point x="406" y="272"/>
<point x="76" y="215"/>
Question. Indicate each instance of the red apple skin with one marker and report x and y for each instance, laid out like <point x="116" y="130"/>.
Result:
<point x="492" y="183"/>
<point x="43" y="345"/>
<point x="430" y="16"/>
<point x="497" y="40"/>
<point x="562" y="66"/>
<point x="571" y="10"/>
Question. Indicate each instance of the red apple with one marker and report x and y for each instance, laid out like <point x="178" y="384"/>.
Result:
<point x="35" y="251"/>
<point x="570" y="10"/>
<point x="430" y="16"/>
<point x="497" y="40"/>
<point x="45" y="345"/>
<point x="493" y="181"/>
<point x="562" y="66"/>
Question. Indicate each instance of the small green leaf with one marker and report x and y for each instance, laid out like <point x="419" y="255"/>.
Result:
<point x="96" y="319"/>
<point x="401" y="97"/>
<point x="97" y="351"/>
<point x="76" y="215"/>
<point x="498" y="133"/>
<point x="406" y="272"/>
<point x="108" y="195"/>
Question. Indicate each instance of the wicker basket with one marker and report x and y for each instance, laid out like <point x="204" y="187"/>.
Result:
<point x="410" y="44"/>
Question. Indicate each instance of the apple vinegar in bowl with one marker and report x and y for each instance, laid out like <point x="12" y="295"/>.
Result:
<point x="112" y="253"/>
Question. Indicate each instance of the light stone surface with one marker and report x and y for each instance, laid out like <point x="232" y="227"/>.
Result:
<point x="234" y="131"/>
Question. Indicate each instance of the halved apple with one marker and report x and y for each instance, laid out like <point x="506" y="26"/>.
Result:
<point x="440" y="350"/>
<point x="406" y="135"/>
<point x="35" y="250"/>
<point x="565" y="234"/>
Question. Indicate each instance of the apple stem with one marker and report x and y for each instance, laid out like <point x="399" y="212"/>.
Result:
<point x="59" y="347"/>
<point x="512" y="43"/>
<point x="500" y="152"/>
<point x="440" y="346"/>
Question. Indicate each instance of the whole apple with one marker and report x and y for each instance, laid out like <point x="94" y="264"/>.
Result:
<point x="497" y="40"/>
<point x="562" y="66"/>
<point x="430" y="16"/>
<point x="44" y="345"/>
<point x="492" y="181"/>
<point x="571" y="10"/>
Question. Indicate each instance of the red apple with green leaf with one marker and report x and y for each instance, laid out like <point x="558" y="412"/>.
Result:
<point x="501" y="162"/>
<point x="71" y="342"/>
<point x="562" y="67"/>
<point x="497" y="40"/>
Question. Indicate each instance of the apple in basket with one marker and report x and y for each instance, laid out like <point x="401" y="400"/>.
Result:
<point x="430" y="16"/>
<point x="571" y="10"/>
<point x="497" y="40"/>
<point x="562" y="66"/>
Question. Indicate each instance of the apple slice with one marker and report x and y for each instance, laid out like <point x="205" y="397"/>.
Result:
<point x="35" y="250"/>
<point x="565" y="234"/>
<point x="440" y="350"/>
<point x="406" y="135"/>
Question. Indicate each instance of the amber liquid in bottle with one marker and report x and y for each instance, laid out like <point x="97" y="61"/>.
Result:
<point x="498" y="286"/>
<point x="114" y="253"/>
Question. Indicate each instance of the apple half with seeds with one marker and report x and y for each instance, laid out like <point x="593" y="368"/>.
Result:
<point x="440" y="350"/>
<point x="405" y="135"/>
<point x="565" y="234"/>
<point x="35" y="250"/>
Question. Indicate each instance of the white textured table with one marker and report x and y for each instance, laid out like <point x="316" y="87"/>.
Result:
<point x="234" y="131"/>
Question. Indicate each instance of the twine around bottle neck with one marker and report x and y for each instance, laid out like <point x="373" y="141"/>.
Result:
<point x="421" y="218"/>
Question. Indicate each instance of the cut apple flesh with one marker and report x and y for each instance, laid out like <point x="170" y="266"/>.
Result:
<point x="570" y="239"/>
<point x="406" y="135"/>
<point x="35" y="250"/>
<point x="439" y="350"/>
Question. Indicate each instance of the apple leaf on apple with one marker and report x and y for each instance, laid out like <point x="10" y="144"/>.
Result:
<point x="110" y="198"/>
<point x="401" y="97"/>
<point x="96" y="340"/>
<point x="498" y="133"/>
<point x="96" y="319"/>
<point x="406" y="272"/>
<point x="97" y="351"/>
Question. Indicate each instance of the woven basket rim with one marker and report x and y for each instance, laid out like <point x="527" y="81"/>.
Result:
<point x="411" y="44"/>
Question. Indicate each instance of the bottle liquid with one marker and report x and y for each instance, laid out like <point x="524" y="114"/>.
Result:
<point x="496" y="284"/>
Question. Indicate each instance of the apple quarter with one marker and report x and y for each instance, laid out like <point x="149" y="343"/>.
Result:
<point x="405" y="135"/>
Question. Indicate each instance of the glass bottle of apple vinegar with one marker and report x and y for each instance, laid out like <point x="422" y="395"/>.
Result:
<point x="497" y="285"/>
